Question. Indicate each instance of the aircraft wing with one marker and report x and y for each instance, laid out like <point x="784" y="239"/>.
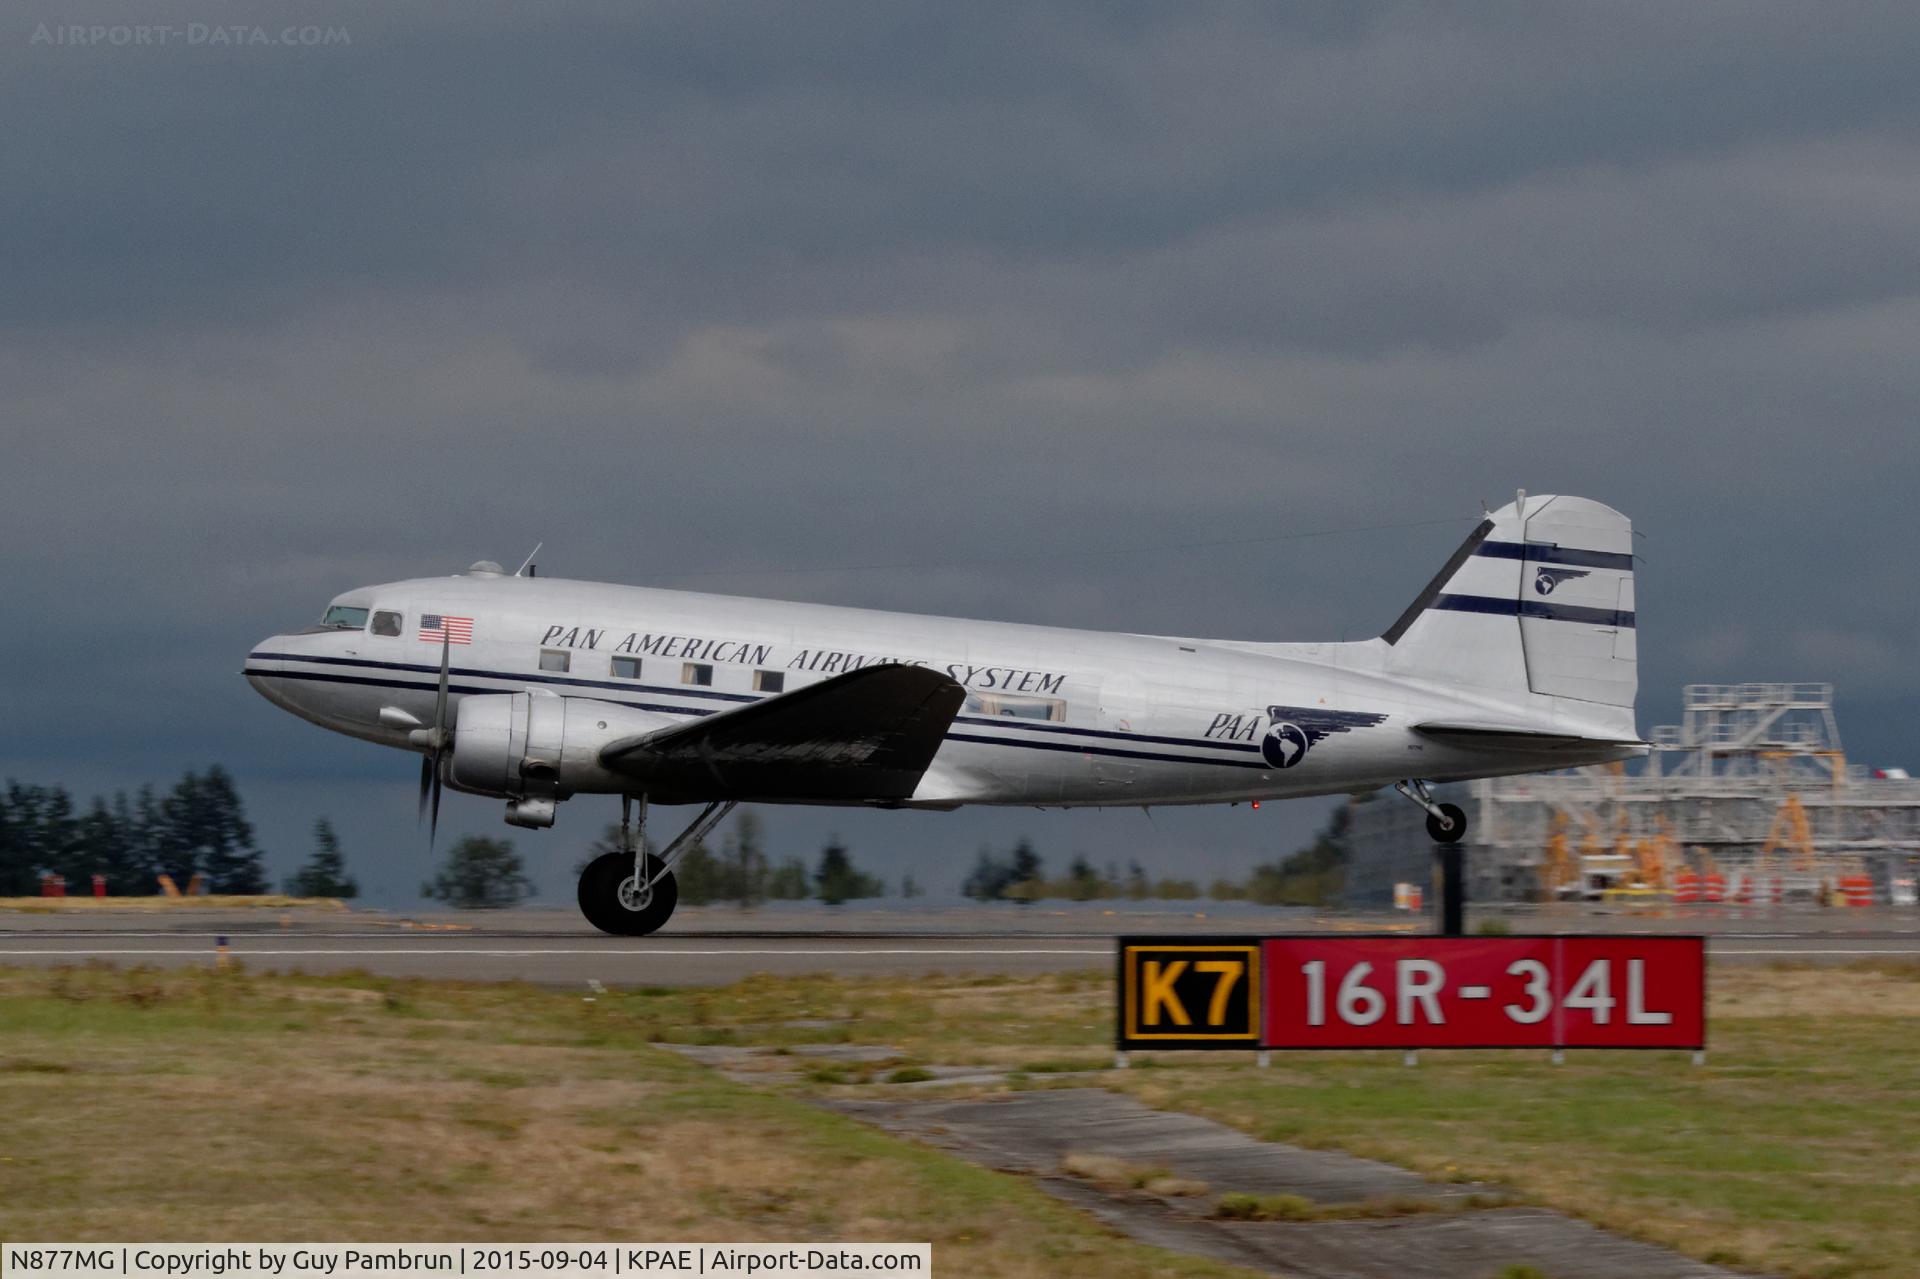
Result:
<point x="867" y="735"/>
<point x="1510" y="737"/>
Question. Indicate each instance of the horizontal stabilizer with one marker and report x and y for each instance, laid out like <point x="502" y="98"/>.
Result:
<point x="865" y="736"/>
<point x="1509" y="737"/>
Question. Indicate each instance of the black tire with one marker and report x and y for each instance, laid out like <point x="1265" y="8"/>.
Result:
<point x="600" y="896"/>
<point x="1454" y="831"/>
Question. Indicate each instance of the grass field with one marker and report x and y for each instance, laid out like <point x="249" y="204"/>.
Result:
<point x="229" y="1106"/>
<point x="203" y="1105"/>
<point x="1793" y="1150"/>
<point x="86" y="905"/>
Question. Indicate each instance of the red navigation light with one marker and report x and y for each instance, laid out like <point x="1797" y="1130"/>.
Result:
<point x="1256" y="805"/>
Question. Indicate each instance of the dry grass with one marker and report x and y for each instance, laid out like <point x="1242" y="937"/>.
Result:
<point x="402" y="1110"/>
<point x="141" y="905"/>
<point x="1243" y="1207"/>
<point x="206" y="1106"/>
<point x="1114" y="1174"/>
<point x="1790" y="1151"/>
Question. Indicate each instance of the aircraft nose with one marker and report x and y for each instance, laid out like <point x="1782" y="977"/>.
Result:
<point x="260" y="667"/>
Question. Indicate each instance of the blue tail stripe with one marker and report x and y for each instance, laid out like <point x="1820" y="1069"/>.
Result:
<point x="1547" y="553"/>
<point x="1535" y="608"/>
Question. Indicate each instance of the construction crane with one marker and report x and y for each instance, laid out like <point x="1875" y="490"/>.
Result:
<point x="1790" y="830"/>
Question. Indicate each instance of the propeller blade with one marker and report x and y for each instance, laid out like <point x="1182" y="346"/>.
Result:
<point x="437" y="741"/>
<point x="440" y="699"/>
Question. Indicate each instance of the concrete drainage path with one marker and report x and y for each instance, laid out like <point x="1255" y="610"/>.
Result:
<point x="1032" y="1132"/>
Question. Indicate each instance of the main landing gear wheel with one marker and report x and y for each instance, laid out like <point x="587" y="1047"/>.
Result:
<point x="1450" y="831"/>
<point x="614" y="903"/>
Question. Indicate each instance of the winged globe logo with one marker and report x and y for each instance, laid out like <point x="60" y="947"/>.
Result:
<point x="1292" y="731"/>
<point x="1285" y="744"/>
<point x="1544" y="580"/>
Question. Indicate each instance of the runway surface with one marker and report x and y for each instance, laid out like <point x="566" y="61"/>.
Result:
<point x="718" y="945"/>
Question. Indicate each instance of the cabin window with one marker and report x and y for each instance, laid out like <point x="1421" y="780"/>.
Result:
<point x="1014" y="706"/>
<point x="696" y="673"/>
<point x="626" y="668"/>
<point x="555" y="659"/>
<point x="769" y="681"/>
<point x="342" y="618"/>
<point x="385" y="624"/>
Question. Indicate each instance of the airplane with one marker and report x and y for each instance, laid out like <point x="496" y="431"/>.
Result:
<point x="1519" y="656"/>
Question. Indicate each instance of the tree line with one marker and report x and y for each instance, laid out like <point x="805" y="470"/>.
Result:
<point x="1312" y="876"/>
<point x="197" y="828"/>
<point x="482" y="873"/>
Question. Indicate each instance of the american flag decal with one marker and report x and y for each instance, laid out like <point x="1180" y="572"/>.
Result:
<point x="436" y="627"/>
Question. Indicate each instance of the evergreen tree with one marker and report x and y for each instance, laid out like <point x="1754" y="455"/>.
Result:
<point x="1083" y="882"/>
<point x="128" y="864"/>
<point x="39" y="835"/>
<point x="480" y="874"/>
<point x="988" y="879"/>
<point x="789" y="881"/>
<point x="232" y="861"/>
<point x="1314" y="876"/>
<point x="20" y="850"/>
<point x="910" y="887"/>
<point x="744" y="862"/>
<point x="699" y="876"/>
<point x="96" y="849"/>
<point x="204" y="828"/>
<point x="143" y="830"/>
<point x="61" y="850"/>
<point x="1027" y="867"/>
<point x="325" y="874"/>
<point x="838" y="880"/>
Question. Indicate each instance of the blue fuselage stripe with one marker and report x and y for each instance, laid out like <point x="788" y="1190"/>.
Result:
<point x="433" y="672"/>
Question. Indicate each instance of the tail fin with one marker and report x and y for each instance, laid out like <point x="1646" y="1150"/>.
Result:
<point x="1539" y="599"/>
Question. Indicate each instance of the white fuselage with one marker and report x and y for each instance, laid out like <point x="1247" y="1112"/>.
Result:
<point x="1055" y="717"/>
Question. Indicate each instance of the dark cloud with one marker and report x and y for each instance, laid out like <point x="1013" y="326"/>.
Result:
<point x="771" y="289"/>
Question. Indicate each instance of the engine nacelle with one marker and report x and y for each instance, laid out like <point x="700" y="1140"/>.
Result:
<point x="537" y="748"/>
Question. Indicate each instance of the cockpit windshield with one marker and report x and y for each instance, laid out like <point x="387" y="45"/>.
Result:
<point x="342" y="618"/>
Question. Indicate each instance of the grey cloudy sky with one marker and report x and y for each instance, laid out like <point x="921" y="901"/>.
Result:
<point x="755" y="290"/>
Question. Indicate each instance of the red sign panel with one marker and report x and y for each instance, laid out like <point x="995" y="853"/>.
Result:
<point x="1484" y="992"/>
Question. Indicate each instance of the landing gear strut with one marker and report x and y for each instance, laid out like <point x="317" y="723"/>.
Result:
<point x="1447" y="825"/>
<point x="631" y="893"/>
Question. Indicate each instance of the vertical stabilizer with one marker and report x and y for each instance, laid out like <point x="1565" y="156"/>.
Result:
<point x="1539" y="599"/>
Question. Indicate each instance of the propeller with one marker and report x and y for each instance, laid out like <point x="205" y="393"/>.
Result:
<point x="436" y="740"/>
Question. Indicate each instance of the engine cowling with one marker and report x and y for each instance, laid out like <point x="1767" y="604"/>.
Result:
<point x="538" y="748"/>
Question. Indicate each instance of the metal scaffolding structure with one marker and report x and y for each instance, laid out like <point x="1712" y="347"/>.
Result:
<point x="1749" y="799"/>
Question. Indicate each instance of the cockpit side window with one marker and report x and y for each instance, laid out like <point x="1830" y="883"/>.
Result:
<point x="342" y="617"/>
<point x="385" y="623"/>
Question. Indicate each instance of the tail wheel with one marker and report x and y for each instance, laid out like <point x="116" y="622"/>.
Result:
<point x="614" y="903"/>
<point x="1450" y="831"/>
